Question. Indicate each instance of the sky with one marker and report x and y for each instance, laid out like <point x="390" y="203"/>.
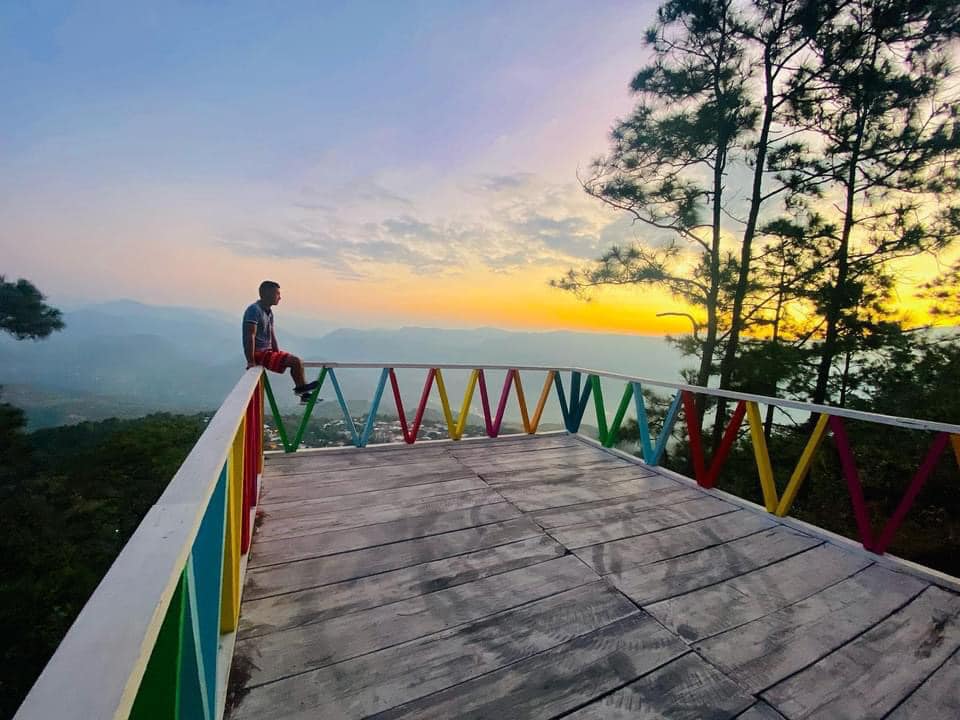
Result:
<point x="389" y="163"/>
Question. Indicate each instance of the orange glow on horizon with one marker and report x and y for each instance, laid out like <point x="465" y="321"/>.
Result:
<point x="509" y="301"/>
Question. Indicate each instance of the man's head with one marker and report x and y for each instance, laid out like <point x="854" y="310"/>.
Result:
<point x="269" y="292"/>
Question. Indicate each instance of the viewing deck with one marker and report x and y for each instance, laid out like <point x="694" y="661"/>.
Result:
<point x="527" y="576"/>
<point x="543" y="577"/>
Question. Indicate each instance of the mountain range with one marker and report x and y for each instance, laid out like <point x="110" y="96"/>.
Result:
<point x="125" y="358"/>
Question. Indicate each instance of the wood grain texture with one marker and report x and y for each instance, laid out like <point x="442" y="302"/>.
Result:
<point x="532" y="497"/>
<point x="319" y="471"/>
<point x="510" y="446"/>
<point x="294" y="609"/>
<point x="645" y="549"/>
<point x="543" y="460"/>
<point x="937" y="699"/>
<point x="712" y="610"/>
<point x="275" y="493"/>
<point x="558" y="680"/>
<point x="765" y="651"/>
<point x="641" y="523"/>
<point x="869" y="676"/>
<point x="379" y="681"/>
<point x="760" y="711"/>
<point x="372" y="514"/>
<point x="614" y="508"/>
<point x="668" y="578"/>
<point x="426" y="583"/>
<point x="270" y="552"/>
<point x="347" y="458"/>
<point x="296" y="650"/>
<point x="594" y="472"/>
<point x="349" y="497"/>
<point x="687" y="688"/>
<point x="314" y="572"/>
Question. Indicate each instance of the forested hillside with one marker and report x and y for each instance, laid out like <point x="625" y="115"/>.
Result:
<point x="70" y="497"/>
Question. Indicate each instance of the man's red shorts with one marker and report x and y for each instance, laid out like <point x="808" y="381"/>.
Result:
<point x="275" y="360"/>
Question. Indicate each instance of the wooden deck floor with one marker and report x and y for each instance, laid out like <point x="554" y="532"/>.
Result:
<point x="543" y="577"/>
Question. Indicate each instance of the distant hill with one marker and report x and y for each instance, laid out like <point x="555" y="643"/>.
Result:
<point x="141" y="358"/>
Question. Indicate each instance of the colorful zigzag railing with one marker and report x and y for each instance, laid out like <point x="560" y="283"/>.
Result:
<point x="573" y="403"/>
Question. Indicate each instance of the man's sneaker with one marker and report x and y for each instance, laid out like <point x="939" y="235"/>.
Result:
<point x="305" y="398"/>
<point x="309" y="387"/>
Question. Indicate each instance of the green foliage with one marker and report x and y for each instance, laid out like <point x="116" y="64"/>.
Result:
<point x="70" y="498"/>
<point x="23" y="312"/>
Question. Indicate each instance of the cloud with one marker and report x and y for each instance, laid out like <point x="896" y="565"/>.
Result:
<point x="532" y="224"/>
<point x="410" y="228"/>
<point x="572" y="236"/>
<point x="499" y="183"/>
<point x="328" y="196"/>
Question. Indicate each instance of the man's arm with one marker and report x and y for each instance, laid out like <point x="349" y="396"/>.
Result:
<point x="248" y="340"/>
<point x="273" y="339"/>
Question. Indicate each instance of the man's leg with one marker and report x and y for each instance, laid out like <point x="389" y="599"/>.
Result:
<point x="296" y="370"/>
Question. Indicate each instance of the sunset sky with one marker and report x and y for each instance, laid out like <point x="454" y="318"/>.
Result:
<point x="389" y="163"/>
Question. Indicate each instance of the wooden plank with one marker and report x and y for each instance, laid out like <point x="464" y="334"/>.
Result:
<point x="297" y="650"/>
<point x="532" y="486"/>
<point x="536" y="461"/>
<point x="713" y="609"/>
<point x="555" y="681"/>
<point x="513" y="447"/>
<point x="274" y="527"/>
<point x="349" y="500"/>
<point x="379" y="681"/>
<point x="532" y="498"/>
<point x="294" y="609"/>
<point x="614" y="508"/>
<point x="869" y="676"/>
<point x="352" y="458"/>
<point x="285" y="550"/>
<point x="581" y="461"/>
<point x="589" y="472"/>
<point x="765" y="651"/>
<point x="317" y="474"/>
<point x="647" y="521"/>
<point x="280" y="494"/>
<point x="685" y="689"/>
<point x="938" y="698"/>
<point x="540" y="457"/>
<point x="563" y="451"/>
<point x="676" y="576"/>
<point x="645" y="549"/>
<point x="760" y="711"/>
<point x="288" y="577"/>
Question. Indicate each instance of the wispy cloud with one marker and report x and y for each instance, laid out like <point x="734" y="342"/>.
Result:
<point x="500" y="183"/>
<point x="512" y="222"/>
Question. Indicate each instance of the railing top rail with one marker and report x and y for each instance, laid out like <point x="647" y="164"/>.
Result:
<point x="119" y="625"/>
<point x="901" y="422"/>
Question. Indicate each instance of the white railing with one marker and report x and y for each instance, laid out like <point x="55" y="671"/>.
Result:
<point x="149" y="635"/>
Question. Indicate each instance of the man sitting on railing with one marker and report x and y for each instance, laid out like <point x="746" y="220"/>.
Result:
<point x="260" y="341"/>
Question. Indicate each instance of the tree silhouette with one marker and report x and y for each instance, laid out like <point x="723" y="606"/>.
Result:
<point x="23" y="312"/>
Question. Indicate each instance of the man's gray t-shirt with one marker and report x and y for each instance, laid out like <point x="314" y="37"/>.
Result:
<point x="264" y="321"/>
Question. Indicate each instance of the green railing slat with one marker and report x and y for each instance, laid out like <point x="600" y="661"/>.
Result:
<point x="194" y="694"/>
<point x="309" y="409"/>
<point x="601" y="411"/>
<point x="614" y="430"/>
<point x="278" y="421"/>
<point x="159" y="693"/>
